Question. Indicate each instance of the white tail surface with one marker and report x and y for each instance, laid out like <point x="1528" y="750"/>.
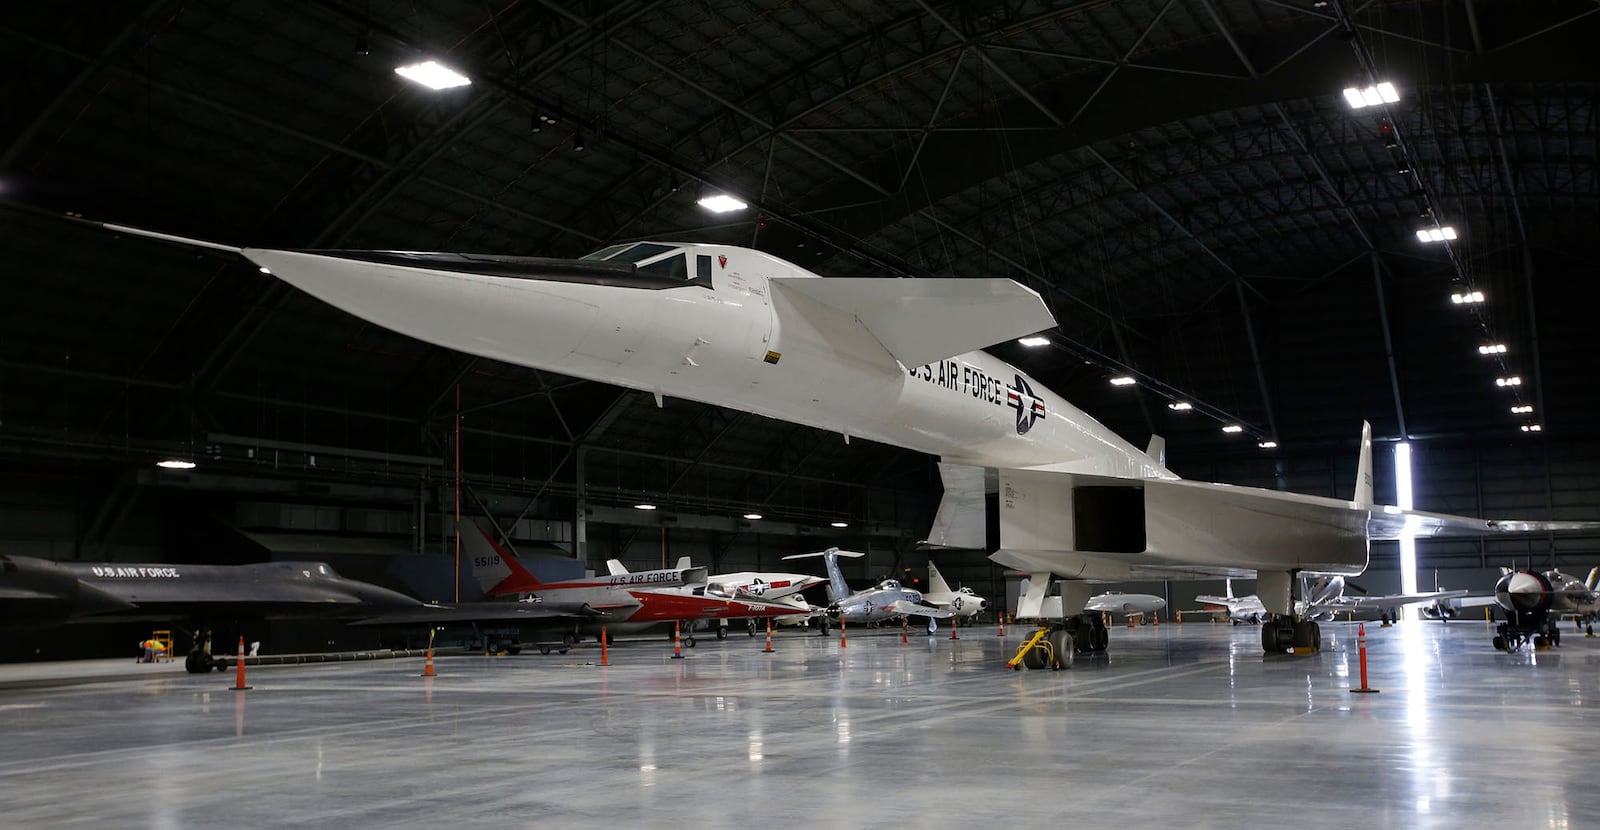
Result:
<point x="936" y="583"/>
<point x="1157" y="450"/>
<point x="615" y="567"/>
<point x="837" y="589"/>
<point x="1363" y="497"/>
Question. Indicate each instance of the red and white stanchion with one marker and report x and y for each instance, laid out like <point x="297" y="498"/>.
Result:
<point x="955" y="623"/>
<point x="903" y="639"/>
<point x="605" y="647"/>
<point x="1002" y="624"/>
<point x="841" y="632"/>
<point x="677" y="646"/>
<point x="238" y="679"/>
<point x="768" y="649"/>
<point x="1361" y="646"/>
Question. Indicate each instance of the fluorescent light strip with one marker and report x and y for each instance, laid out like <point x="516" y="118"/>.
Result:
<point x="432" y="75"/>
<point x="1232" y="428"/>
<point x="722" y="203"/>
<point x="1034" y="342"/>
<point x="1180" y="406"/>
<point x="1123" y="380"/>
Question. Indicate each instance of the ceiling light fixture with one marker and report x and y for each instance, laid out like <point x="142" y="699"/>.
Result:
<point x="1522" y="409"/>
<point x="1371" y="96"/>
<point x="1123" y="380"/>
<point x="753" y="516"/>
<point x="432" y="75"/>
<point x="176" y="464"/>
<point x="1232" y="428"/>
<point x="1514" y="380"/>
<point x="1532" y="428"/>
<point x="1492" y="348"/>
<point x="721" y="203"/>
<point x="1180" y="406"/>
<point x="1468" y="298"/>
<point x="1035" y="341"/>
<point x="1268" y="445"/>
<point x="840" y="524"/>
<point x="644" y="506"/>
<point x="1439" y="234"/>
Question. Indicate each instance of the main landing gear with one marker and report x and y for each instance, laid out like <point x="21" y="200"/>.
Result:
<point x="1280" y="634"/>
<point x="1054" y="645"/>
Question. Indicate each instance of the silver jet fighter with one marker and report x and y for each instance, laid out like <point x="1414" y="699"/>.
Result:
<point x="964" y="602"/>
<point x="1132" y="605"/>
<point x="887" y="600"/>
<point x="1534" y="602"/>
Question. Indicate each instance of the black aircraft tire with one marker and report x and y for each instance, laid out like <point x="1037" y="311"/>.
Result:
<point x="569" y="639"/>
<point x="544" y="649"/>
<point x="197" y="663"/>
<point x="722" y="633"/>
<point x="1499" y="643"/>
<point x="1102" y="639"/>
<point x="1035" y="657"/>
<point x="688" y="642"/>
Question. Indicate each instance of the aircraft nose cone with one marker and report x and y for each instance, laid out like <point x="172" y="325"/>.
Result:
<point x="982" y="604"/>
<point x="1523" y="591"/>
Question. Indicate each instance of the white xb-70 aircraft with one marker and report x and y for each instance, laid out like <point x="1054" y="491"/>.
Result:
<point x="891" y="360"/>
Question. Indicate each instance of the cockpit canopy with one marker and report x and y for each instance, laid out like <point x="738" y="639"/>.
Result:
<point x="656" y="259"/>
<point x="889" y="585"/>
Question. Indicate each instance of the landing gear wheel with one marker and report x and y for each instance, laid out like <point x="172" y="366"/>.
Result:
<point x="569" y="639"/>
<point x="1499" y="643"/>
<point x="544" y="649"/>
<point x="1062" y="643"/>
<point x="514" y="648"/>
<point x="1102" y="638"/>
<point x="1036" y="657"/>
<point x="197" y="663"/>
<point x="1277" y="636"/>
<point x="722" y="633"/>
<point x="1308" y="634"/>
<point x="688" y="642"/>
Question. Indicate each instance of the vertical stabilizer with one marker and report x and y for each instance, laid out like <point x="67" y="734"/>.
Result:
<point x="1363" y="496"/>
<point x="683" y="563"/>
<point x="497" y="570"/>
<point x="1157" y="450"/>
<point x="936" y="583"/>
<point x="837" y="590"/>
<point x="615" y="567"/>
<point x="1229" y="584"/>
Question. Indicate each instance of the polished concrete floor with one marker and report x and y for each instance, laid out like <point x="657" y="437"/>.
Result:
<point x="1180" y="726"/>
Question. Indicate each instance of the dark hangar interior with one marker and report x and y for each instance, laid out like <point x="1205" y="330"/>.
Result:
<point x="1184" y="183"/>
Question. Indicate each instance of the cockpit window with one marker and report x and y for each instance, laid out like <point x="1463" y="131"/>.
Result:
<point x="673" y="267"/>
<point x="639" y="252"/>
<point x="604" y="253"/>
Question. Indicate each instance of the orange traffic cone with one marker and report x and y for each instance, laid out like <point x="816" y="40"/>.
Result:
<point x="841" y="633"/>
<point x="677" y="645"/>
<point x="605" y="647"/>
<point x="238" y="680"/>
<point x="903" y="640"/>
<point x="1002" y="625"/>
<point x="768" y="649"/>
<point x="427" y="664"/>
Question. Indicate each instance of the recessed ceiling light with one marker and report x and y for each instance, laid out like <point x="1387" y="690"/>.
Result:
<point x="644" y="506"/>
<point x="840" y="524"/>
<point x="752" y="516"/>
<point x="176" y="464"/>
<point x="433" y="75"/>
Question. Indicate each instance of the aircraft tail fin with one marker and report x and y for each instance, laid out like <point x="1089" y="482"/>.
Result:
<point x="683" y="563"/>
<point x="936" y="583"/>
<point x="1593" y="581"/>
<point x="1363" y="496"/>
<point x="615" y="567"/>
<point x="497" y="570"/>
<point x="1229" y="584"/>
<point x="837" y="589"/>
<point x="962" y="518"/>
<point x="1157" y="450"/>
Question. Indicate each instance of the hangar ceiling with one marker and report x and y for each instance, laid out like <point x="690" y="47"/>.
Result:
<point x="1182" y="180"/>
